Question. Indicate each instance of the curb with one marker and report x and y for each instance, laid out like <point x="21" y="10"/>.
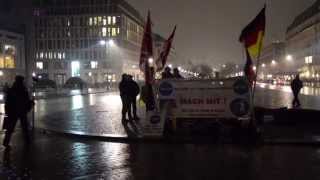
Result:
<point x="176" y="140"/>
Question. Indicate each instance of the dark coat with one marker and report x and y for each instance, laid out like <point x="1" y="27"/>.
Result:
<point x="18" y="102"/>
<point x="134" y="88"/>
<point x="296" y="85"/>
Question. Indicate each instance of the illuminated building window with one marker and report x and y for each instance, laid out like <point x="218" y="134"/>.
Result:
<point x="114" y="31"/>
<point x="41" y="55"/>
<point x="63" y="55"/>
<point x="99" y="20"/>
<point x="59" y="56"/>
<point x="46" y="55"/>
<point x="95" y="21"/>
<point x="68" y="22"/>
<point x="50" y="55"/>
<point x="90" y="22"/>
<point x="114" y="20"/>
<point x="308" y="59"/>
<point x="39" y="65"/>
<point x="118" y="30"/>
<point x="104" y="32"/>
<point x="94" y="64"/>
<point x="104" y="21"/>
<point x="109" y="20"/>
<point x="37" y="55"/>
<point x="54" y="55"/>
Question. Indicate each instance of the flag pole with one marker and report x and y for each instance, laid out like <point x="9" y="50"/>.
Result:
<point x="257" y="71"/>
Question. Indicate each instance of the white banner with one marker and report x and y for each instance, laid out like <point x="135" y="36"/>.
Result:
<point x="228" y="98"/>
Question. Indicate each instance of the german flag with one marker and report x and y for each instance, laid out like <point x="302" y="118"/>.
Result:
<point x="252" y="35"/>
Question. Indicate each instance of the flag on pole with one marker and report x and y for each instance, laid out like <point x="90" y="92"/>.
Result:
<point x="252" y="35"/>
<point x="248" y="69"/>
<point x="162" y="59"/>
<point x="146" y="50"/>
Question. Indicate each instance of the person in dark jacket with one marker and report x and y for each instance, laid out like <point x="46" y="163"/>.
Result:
<point x="133" y="93"/>
<point x="124" y="88"/>
<point x="176" y="74"/>
<point x="17" y="106"/>
<point x="296" y="86"/>
<point x="166" y="74"/>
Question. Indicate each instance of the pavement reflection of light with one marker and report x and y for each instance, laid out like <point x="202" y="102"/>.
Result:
<point x="1" y="108"/>
<point x="262" y="85"/>
<point x="92" y="100"/>
<point x="80" y="151"/>
<point x="77" y="102"/>
<point x="272" y="87"/>
<point x="75" y="91"/>
<point x="1" y="96"/>
<point x="112" y="100"/>
<point x="286" y="89"/>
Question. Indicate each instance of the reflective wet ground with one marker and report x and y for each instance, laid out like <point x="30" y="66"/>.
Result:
<point x="55" y="157"/>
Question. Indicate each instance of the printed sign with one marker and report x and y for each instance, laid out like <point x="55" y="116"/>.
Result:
<point x="153" y="124"/>
<point x="229" y="98"/>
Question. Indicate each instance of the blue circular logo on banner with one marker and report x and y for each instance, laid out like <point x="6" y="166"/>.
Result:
<point x="155" y="119"/>
<point x="241" y="87"/>
<point x="239" y="107"/>
<point x="165" y="89"/>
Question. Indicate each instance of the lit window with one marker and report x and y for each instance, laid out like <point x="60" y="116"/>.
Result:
<point x="90" y="22"/>
<point x="104" y="20"/>
<point x="94" y="64"/>
<point x="118" y="30"/>
<point x="109" y="20"/>
<point x="46" y="55"/>
<point x="59" y="56"/>
<point x="50" y="55"/>
<point x="39" y="65"/>
<point x="308" y="59"/>
<point x="37" y="56"/>
<point x="95" y="20"/>
<point x="68" y="22"/>
<point x="104" y="32"/>
<point x="54" y="55"/>
<point x="99" y="20"/>
<point x="41" y="55"/>
<point x="63" y="55"/>
<point x="114" y="31"/>
<point x="114" y="20"/>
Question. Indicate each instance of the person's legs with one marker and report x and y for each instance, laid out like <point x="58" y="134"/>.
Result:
<point x="124" y="108"/>
<point x="25" y="128"/>
<point x="129" y="102"/>
<point x="134" y="108"/>
<point x="9" y="130"/>
<point x="298" y="101"/>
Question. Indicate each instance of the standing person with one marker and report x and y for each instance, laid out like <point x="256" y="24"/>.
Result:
<point x="17" y="106"/>
<point x="166" y="74"/>
<point x="133" y="93"/>
<point x="125" y="95"/>
<point x="176" y="74"/>
<point x="296" y="86"/>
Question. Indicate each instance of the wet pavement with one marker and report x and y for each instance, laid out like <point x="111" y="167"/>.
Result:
<point x="58" y="157"/>
<point x="99" y="114"/>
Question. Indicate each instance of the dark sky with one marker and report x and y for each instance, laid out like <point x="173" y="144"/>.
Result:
<point x="208" y="30"/>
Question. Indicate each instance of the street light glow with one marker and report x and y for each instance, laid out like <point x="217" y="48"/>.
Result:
<point x="263" y="65"/>
<point x="254" y="68"/>
<point x="273" y="62"/>
<point x="1" y="73"/>
<point x="289" y="57"/>
<point x="150" y="60"/>
<point x="170" y="65"/>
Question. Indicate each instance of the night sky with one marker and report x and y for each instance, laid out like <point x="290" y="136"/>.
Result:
<point x="208" y="30"/>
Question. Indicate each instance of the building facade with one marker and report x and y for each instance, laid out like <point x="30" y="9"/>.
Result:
<point x="303" y="45"/>
<point x="12" y="56"/>
<point x="96" y="40"/>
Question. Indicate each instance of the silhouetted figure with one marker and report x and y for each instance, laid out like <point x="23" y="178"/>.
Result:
<point x="176" y="74"/>
<point x="133" y="93"/>
<point x="166" y="74"/>
<point x="17" y="106"/>
<point x="296" y="86"/>
<point x="124" y="88"/>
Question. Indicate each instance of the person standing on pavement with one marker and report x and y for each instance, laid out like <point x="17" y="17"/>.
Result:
<point x="124" y="88"/>
<point x="176" y="74"/>
<point x="133" y="93"/>
<point x="166" y="74"/>
<point x="296" y="86"/>
<point x="17" y="106"/>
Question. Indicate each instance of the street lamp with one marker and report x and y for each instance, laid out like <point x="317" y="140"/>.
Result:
<point x="263" y="65"/>
<point x="289" y="57"/>
<point x="273" y="62"/>
<point x="1" y="73"/>
<point x="150" y="60"/>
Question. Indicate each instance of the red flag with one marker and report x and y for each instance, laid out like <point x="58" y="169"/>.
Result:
<point x="162" y="59"/>
<point x="146" y="50"/>
<point x="248" y="68"/>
